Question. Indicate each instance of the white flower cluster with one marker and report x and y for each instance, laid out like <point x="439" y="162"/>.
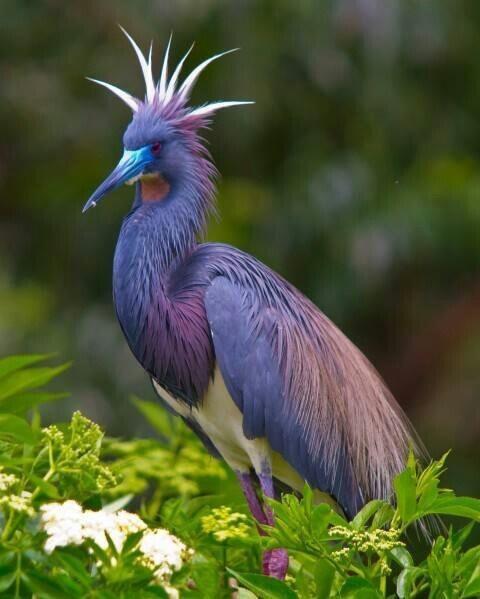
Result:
<point x="7" y="481"/>
<point x="164" y="553"/>
<point x="18" y="503"/>
<point x="68" y="524"/>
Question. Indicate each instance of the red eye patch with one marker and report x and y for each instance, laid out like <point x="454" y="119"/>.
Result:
<point x="156" y="147"/>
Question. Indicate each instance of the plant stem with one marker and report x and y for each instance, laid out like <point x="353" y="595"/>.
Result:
<point x="18" y="573"/>
<point x="46" y="478"/>
<point x="8" y="525"/>
<point x="383" y="585"/>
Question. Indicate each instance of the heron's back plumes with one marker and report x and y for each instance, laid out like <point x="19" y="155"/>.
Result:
<point x="343" y="404"/>
<point x="335" y="420"/>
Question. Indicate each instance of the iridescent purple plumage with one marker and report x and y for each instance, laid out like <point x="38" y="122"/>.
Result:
<point x="189" y="309"/>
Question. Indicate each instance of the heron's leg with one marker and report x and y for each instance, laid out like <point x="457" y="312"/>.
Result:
<point x="248" y="488"/>
<point x="275" y="561"/>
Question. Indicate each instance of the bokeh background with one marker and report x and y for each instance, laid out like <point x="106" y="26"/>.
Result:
<point x="356" y="175"/>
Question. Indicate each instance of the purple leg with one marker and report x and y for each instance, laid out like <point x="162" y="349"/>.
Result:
<point x="274" y="561"/>
<point x="266" y="484"/>
<point x="250" y="493"/>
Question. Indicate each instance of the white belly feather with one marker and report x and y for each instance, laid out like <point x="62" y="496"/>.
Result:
<point x="221" y="420"/>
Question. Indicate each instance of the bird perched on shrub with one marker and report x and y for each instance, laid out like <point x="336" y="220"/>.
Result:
<point x="264" y="378"/>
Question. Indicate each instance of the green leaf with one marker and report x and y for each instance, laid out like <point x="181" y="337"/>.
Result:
<point x="243" y="593"/>
<point x="155" y="591"/>
<point x="12" y="363"/>
<point x="324" y="574"/>
<point x="111" y="544"/>
<point x="19" y="404"/>
<point x="132" y="541"/>
<point x="460" y="536"/>
<point x="156" y="416"/>
<point x="405" y="581"/>
<point x="405" y="490"/>
<point x="47" y="488"/>
<point x="207" y="576"/>
<point x="428" y="496"/>
<point x="450" y="505"/>
<point x="320" y="518"/>
<point x="304" y="582"/>
<point x="264" y="587"/>
<point x="74" y="567"/>
<point x="307" y="498"/>
<point x="29" y="378"/>
<point x="356" y="587"/>
<point x="6" y="558"/>
<point x="383" y="516"/>
<point x="402" y="556"/>
<point x="145" y="592"/>
<point x="367" y="512"/>
<point x="100" y="554"/>
<point x="472" y="588"/>
<point x="46" y="586"/>
<point x="469" y="561"/>
<point x="6" y="580"/>
<point x="18" y="428"/>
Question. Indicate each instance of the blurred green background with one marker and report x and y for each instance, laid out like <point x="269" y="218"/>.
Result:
<point x="355" y="175"/>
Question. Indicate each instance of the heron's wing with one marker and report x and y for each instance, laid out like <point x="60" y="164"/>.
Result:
<point x="245" y="334"/>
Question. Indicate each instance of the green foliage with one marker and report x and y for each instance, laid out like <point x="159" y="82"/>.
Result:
<point x="20" y="381"/>
<point x="370" y="556"/>
<point x="175" y="466"/>
<point x="65" y="532"/>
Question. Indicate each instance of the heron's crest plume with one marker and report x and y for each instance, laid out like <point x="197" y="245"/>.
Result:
<point x="169" y="95"/>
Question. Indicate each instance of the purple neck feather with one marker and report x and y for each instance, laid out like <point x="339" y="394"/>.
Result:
<point x="166" y="231"/>
<point x="155" y="239"/>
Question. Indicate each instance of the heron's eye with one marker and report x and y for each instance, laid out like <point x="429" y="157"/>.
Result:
<point x="155" y="148"/>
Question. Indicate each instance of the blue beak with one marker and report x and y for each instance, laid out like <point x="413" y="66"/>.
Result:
<point x="130" y="166"/>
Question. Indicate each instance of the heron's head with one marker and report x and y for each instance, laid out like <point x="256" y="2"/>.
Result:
<point x="161" y="144"/>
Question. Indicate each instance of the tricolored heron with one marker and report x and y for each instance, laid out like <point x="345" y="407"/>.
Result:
<point x="264" y="378"/>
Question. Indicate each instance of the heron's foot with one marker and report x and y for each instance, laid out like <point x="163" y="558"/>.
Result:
<point x="275" y="563"/>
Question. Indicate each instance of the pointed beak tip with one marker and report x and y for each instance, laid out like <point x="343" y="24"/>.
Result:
<point x="88" y="205"/>
<point x="127" y="170"/>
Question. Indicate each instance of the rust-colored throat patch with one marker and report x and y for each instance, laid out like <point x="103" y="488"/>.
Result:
<point x="154" y="188"/>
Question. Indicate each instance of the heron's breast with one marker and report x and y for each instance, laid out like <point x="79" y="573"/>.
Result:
<point x="221" y="420"/>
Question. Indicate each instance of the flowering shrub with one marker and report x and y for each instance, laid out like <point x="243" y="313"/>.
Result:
<point x="224" y="524"/>
<point x="84" y="516"/>
<point x="68" y="524"/>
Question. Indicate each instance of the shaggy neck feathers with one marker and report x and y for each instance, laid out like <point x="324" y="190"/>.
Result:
<point x="155" y="240"/>
<point x="168" y="214"/>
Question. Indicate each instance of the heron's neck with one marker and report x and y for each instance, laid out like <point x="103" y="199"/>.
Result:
<point x="162" y="232"/>
<point x="156" y="237"/>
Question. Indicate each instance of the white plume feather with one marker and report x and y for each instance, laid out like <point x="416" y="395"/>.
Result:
<point x="190" y="81"/>
<point x="146" y="67"/>
<point x="162" y="84"/>
<point x="173" y="80"/>
<point x="129" y="100"/>
<point x="214" y="106"/>
<point x="165" y="90"/>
